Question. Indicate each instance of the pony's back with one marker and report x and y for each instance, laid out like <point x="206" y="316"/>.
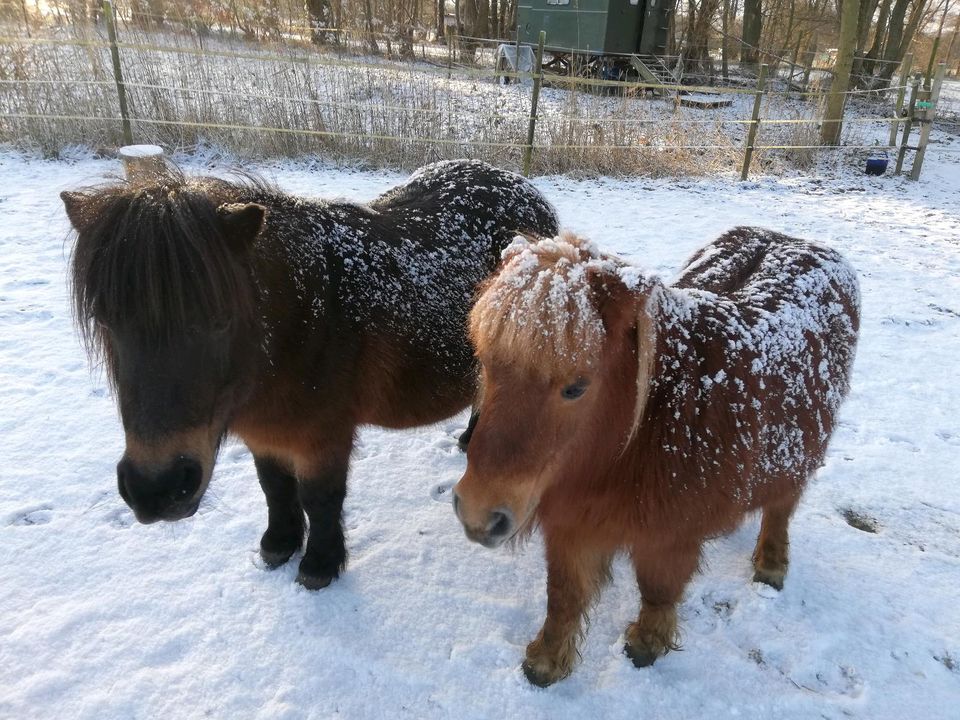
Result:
<point x="747" y="262"/>
<point x="469" y="189"/>
<point x="773" y="321"/>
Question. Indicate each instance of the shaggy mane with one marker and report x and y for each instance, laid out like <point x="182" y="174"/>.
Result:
<point x="151" y="254"/>
<point x="538" y="310"/>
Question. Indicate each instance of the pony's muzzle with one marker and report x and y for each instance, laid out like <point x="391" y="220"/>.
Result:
<point x="172" y="494"/>
<point x="496" y="527"/>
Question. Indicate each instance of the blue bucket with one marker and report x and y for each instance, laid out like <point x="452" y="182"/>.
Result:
<point x="876" y="165"/>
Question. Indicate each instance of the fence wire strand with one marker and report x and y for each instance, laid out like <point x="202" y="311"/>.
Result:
<point x="559" y="130"/>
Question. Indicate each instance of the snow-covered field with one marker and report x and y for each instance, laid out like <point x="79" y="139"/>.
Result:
<point x="103" y="618"/>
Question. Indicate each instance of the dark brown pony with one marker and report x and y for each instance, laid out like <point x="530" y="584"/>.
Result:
<point x="230" y="307"/>
<point x="622" y="414"/>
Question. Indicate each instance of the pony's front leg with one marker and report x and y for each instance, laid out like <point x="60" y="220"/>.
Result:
<point x="574" y="576"/>
<point x="662" y="574"/>
<point x="284" y="534"/>
<point x="323" y="487"/>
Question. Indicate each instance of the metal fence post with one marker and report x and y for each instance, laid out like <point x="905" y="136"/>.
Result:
<point x="117" y="72"/>
<point x="754" y="123"/>
<point x="537" y="81"/>
<point x="898" y="108"/>
<point x="926" y="122"/>
<point x="908" y="124"/>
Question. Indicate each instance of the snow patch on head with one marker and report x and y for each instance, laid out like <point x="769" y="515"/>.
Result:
<point x="539" y="311"/>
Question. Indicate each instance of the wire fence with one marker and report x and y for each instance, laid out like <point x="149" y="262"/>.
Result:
<point x="282" y="96"/>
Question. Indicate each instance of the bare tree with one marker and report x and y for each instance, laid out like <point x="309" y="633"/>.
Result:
<point x="833" y="115"/>
<point x="752" y="27"/>
<point x="320" y="14"/>
<point x="700" y="18"/>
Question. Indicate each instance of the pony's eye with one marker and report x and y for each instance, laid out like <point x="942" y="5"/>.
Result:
<point x="575" y="390"/>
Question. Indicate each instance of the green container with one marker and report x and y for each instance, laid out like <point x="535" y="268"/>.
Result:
<point x="597" y="26"/>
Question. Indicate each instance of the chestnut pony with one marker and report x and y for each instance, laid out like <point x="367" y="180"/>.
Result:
<point x="623" y="414"/>
<point x="230" y="307"/>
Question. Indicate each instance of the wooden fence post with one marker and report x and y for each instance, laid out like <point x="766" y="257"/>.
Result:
<point x="898" y="108"/>
<point x="141" y="161"/>
<point x="926" y="122"/>
<point x="754" y="123"/>
<point x="908" y="124"/>
<point x="532" y="126"/>
<point x="117" y="72"/>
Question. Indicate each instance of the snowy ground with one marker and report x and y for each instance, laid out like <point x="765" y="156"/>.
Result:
<point x="103" y="618"/>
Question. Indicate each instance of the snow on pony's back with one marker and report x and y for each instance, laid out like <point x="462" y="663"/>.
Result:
<point x="771" y="318"/>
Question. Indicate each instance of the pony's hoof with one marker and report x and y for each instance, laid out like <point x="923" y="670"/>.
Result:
<point x="313" y="582"/>
<point x="535" y="677"/>
<point x="773" y="578"/>
<point x="276" y="551"/>
<point x="640" y="657"/>
<point x="273" y="560"/>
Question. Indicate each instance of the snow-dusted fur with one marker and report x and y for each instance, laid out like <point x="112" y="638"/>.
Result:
<point x="692" y="405"/>
<point x="232" y="307"/>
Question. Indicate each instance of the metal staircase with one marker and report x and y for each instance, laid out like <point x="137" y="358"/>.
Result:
<point x="653" y="70"/>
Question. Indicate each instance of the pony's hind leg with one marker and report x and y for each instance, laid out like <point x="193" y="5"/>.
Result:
<point x="285" y="526"/>
<point x="574" y="576"/>
<point x="771" y="555"/>
<point x="662" y="575"/>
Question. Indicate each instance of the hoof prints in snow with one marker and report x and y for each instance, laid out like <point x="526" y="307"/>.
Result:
<point x="943" y="310"/>
<point x="860" y="521"/>
<point x="949" y="662"/>
<point x="121" y="518"/>
<point x="33" y="516"/>
<point x="443" y="492"/>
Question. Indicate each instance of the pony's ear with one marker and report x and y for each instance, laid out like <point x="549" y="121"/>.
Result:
<point x="242" y="222"/>
<point x="622" y="296"/>
<point x="612" y="298"/>
<point x="74" y="203"/>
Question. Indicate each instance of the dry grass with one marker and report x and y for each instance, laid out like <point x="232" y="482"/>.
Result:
<point x="630" y="135"/>
<point x="288" y="98"/>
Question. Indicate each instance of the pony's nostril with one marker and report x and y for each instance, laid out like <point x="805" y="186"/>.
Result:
<point x="456" y="504"/>
<point x="500" y="524"/>
<point x="187" y="476"/>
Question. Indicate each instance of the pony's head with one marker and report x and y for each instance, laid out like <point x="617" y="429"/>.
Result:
<point x="163" y="295"/>
<point x="565" y="341"/>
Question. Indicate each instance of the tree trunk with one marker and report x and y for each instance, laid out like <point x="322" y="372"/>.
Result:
<point x="752" y="27"/>
<point x="372" y="46"/>
<point x="868" y="9"/>
<point x="900" y="36"/>
<point x="507" y="14"/>
<point x="953" y="40"/>
<point x="877" y="47"/>
<point x="699" y="20"/>
<point x="894" y="34"/>
<point x="936" y="41"/>
<point x="833" y="116"/>
<point x="724" y="66"/>
<point x="320" y="16"/>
